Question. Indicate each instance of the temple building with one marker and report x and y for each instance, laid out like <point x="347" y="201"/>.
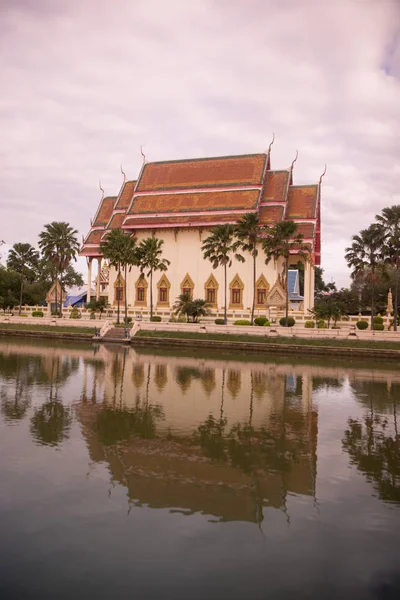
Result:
<point x="180" y="201"/>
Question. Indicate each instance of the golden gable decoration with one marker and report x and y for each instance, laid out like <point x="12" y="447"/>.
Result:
<point x="262" y="289"/>
<point x="141" y="286"/>
<point x="236" y="288"/>
<point x="211" y="291"/>
<point x="163" y="287"/>
<point x="277" y="296"/>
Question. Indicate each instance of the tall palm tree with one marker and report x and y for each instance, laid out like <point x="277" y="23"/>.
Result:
<point x="248" y="231"/>
<point x="59" y="245"/>
<point x="365" y="255"/>
<point x="119" y="248"/>
<point x="280" y="241"/>
<point x="23" y="259"/>
<point x="149" y="255"/>
<point x="218" y="248"/>
<point x="390" y="221"/>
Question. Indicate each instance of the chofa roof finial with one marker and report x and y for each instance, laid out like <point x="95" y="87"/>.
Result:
<point x="297" y="154"/>
<point x="122" y="171"/>
<point x="270" y="146"/>
<point x="324" y="173"/>
<point x="102" y="194"/>
<point x="143" y="154"/>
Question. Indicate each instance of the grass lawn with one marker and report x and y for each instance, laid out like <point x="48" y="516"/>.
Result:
<point x="267" y="340"/>
<point x="39" y="327"/>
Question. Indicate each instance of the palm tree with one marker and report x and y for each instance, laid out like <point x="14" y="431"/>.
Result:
<point x="23" y="259"/>
<point x="282" y="240"/>
<point x="193" y="309"/>
<point x="390" y="221"/>
<point x="248" y="231"/>
<point x="149" y="255"/>
<point x="364" y="255"/>
<point x="218" y="248"/>
<point x="59" y="245"/>
<point x="119" y="248"/>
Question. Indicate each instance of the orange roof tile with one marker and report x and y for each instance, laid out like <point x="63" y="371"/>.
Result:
<point x="306" y="229"/>
<point x="94" y="237"/>
<point x="203" y="172"/>
<point x="271" y="214"/>
<point x="116" y="221"/>
<point x="275" y="186"/>
<point x="302" y="202"/>
<point x="126" y="195"/>
<point x="105" y="211"/>
<point x="163" y="220"/>
<point x="195" y="201"/>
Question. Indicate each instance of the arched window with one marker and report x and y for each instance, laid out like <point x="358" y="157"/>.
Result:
<point x="211" y="291"/>
<point x="119" y="285"/>
<point x="187" y="285"/>
<point x="141" y="286"/>
<point x="236" y="288"/>
<point x="163" y="287"/>
<point x="262" y="289"/>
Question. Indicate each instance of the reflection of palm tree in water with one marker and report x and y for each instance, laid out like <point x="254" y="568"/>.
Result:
<point x="50" y="424"/>
<point x="372" y="447"/>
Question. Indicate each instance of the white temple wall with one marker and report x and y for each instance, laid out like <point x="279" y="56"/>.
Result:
<point x="183" y="250"/>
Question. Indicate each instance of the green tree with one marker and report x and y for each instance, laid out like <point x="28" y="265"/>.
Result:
<point x="329" y="308"/>
<point x="149" y="258"/>
<point x="23" y="259"/>
<point x="9" y="288"/>
<point x="390" y="222"/>
<point x="281" y="241"/>
<point x="193" y="309"/>
<point x="119" y="248"/>
<point x="59" y="245"/>
<point x="364" y="256"/>
<point x="218" y="248"/>
<point x="248" y="231"/>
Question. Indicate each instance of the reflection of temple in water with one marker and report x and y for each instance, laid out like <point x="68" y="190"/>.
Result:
<point x="223" y="438"/>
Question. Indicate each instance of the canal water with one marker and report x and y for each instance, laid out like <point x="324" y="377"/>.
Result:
<point x="145" y="474"/>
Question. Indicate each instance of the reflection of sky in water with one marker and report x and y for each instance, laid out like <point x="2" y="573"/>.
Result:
<point x="268" y="501"/>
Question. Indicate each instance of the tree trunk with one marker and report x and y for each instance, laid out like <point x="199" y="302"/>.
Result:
<point x="396" y="294"/>
<point x="225" y="285"/>
<point x="151" y="295"/>
<point x="61" y="292"/>
<point x="254" y="286"/>
<point x="372" y="299"/>
<point x="118" y="293"/>
<point x="125" y="296"/>
<point x="20" y="295"/>
<point x="56" y="296"/>
<point x="287" y="292"/>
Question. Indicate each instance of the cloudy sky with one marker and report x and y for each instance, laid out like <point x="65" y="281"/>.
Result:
<point x="85" y="83"/>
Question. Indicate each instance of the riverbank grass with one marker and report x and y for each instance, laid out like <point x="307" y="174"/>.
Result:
<point x="40" y="327"/>
<point x="284" y="341"/>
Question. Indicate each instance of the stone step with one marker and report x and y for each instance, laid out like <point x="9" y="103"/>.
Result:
<point x="116" y="333"/>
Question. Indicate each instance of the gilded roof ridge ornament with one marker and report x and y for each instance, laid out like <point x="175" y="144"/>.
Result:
<point x="143" y="154"/>
<point x="323" y="174"/>
<point x="122" y="171"/>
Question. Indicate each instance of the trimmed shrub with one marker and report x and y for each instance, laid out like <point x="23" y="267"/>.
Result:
<point x="267" y="323"/>
<point x="322" y="324"/>
<point x="379" y="327"/>
<point x="129" y="320"/>
<point x="290" y="322"/>
<point x="378" y="321"/>
<point x="75" y="313"/>
<point x="37" y="313"/>
<point x="242" y="322"/>
<point x="261" y="321"/>
<point x="219" y="322"/>
<point x="155" y="319"/>
<point x="55" y="314"/>
<point x="362" y="324"/>
<point x="22" y="315"/>
<point x="92" y="315"/>
<point x="309" y="324"/>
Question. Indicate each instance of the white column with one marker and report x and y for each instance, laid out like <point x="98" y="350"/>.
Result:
<point x="98" y="278"/>
<point x="312" y="285"/>
<point x="89" y="279"/>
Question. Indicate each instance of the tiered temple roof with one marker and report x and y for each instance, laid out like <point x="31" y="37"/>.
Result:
<point x="205" y="192"/>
